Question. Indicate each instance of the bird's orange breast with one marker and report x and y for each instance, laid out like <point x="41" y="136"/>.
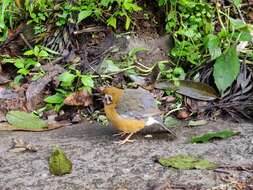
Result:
<point x="121" y="123"/>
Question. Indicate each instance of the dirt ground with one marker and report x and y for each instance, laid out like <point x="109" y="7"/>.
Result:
<point x="100" y="164"/>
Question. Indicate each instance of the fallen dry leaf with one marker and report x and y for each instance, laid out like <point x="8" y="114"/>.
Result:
<point x="80" y="98"/>
<point x="169" y="99"/>
<point x="33" y="93"/>
<point x="7" y="94"/>
<point x="20" y="145"/>
<point x="4" y="79"/>
<point x="182" y="114"/>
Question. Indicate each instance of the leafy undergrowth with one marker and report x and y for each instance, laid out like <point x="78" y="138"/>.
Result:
<point x="56" y="54"/>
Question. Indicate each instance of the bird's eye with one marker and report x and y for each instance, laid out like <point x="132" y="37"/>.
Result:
<point x="108" y="99"/>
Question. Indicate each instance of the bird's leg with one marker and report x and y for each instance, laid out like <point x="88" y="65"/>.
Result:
<point x="127" y="139"/>
<point x="121" y="134"/>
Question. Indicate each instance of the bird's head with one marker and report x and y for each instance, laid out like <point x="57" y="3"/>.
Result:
<point x="112" y="94"/>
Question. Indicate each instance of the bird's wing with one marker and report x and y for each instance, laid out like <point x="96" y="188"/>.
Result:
<point x="137" y="103"/>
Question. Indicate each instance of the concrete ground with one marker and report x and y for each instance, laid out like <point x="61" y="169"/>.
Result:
<point x="100" y="164"/>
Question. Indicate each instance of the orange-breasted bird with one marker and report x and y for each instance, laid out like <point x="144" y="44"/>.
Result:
<point x="130" y="110"/>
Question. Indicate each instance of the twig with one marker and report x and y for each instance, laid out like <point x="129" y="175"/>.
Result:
<point x="242" y="5"/>
<point x="26" y="41"/>
<point x="219" y="17"/>
<point x="57" y="60"/>
<point x="171" y="111"/>
<point x="90" y="29"/>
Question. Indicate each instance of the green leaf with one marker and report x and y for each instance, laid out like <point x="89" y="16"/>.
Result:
<point x="30" y="62"/>
<point x="24" y="120"/>
<point x="36" y="51"/>
<point x="59" y="164"/>
<point x="83" y="15"/>
<point x="87" y="81"/>
<point x="43" y="53"/>
<point x="108" y="67"/>
<point x="213" y="45"/>
<point x="18" y="79"/>
<point x="211" y="135"/>
<point x="237" y="3"/>
<point x="23" y="71"/>
<point x="130" y="6"/>
<point x="245" y="36"/>
<point x="136" y="50"/>
<point x="226" y="69"/>
<point x="112" y="21"/>
<point x="172" y="122"/>
<point x="55" y="99"/>
<point x="29" y="52"/>
<point x="196" y="90"/>
<point x="66" y="79"/>
<point x="237" y="23"/>
<point x="19" y="63"/>
<point x="128" y="22"/>
<point x="187" y="162"/>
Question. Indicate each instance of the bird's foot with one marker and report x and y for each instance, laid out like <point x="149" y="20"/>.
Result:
<point x="127" y="139"/>
<point x="121" y="134"/>
<point x="121" y="142"/>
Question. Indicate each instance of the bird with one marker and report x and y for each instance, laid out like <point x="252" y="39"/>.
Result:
<point x="130" y="110"/>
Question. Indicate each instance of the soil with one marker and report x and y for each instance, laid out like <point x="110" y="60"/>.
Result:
<point x="98" y="163"/>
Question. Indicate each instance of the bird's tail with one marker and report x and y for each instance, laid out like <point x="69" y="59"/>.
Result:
<point x="167" y="129"/>
<point x="151" y="121"/>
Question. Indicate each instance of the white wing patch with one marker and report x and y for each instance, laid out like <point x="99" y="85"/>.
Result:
<point x="151" y="121"/>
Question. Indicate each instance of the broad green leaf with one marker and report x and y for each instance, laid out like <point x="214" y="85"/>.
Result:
<point x="187" y="162"/>
<point x="59" y="164"/>
<point x="237" y="3"/>
<point x="43" y="53"/>
<point x="36" y="51"/>
<point x="196" y="90"/>
<point x="105" y="3"/>
<point x="112" y="21"/>
<point x="172" y="122"/>
<point x="179" y="73"/>
<point x="226" y="69"/>
<point x="108" y="67"/>
<point x="162" y="2"/>
<point x="30" y="62"/>
<point x="87" y="81"/>
<point x="55" y="99"/>
<point x="213" y="45"/>
<point x="19" y="63"/>
<point x="23" y="71"/>
<point x="245" y="36"/>
<point x="211" y="135"/>
<point x="24" y="120"/>
<point x="83" y="15"/>
<point x="237" y="23"/>
<point x="29" y="52"/>
<point x="18" y="79"/>
<point x="66" y="79"/>
<point x="130" y="6"/>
